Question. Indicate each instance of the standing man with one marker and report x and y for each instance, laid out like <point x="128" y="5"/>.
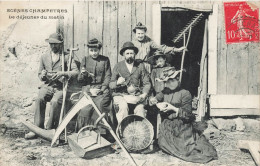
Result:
<point x="50" y="72"/>
<point x="129" y="77"/>
<point x="95" y="74"/>
<point x="147" y="46"/>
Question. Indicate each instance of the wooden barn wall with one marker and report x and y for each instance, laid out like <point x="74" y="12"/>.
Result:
<point x="111" y="22"/>
<point x="238" y="64"/>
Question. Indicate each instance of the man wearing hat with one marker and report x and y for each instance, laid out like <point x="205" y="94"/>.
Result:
<point x="147" y="46"/>
<point x="51" y="74"/>
<point x="95" y="74"/>
<point x="129" y="77"/>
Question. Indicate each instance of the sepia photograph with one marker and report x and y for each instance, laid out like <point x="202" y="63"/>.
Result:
<point x="142" y="83"/>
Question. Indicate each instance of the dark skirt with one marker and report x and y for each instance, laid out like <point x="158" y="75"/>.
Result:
<point x="88" y="115"/>
<point x="180" y="139"/>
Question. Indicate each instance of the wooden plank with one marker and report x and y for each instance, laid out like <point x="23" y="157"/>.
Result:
<point x="234" y="101"/>
<point x="237" y="66"/>
<point x="124" y="26"/>
<point x="138" y="13"/>
<point x="96" y="20"/>
<point x="202" y="90"/>
<point x="212" y="51"/>
<point x="233" y="112"/>
<point x="148" y="17"/>
<point x="253" y="68"/>
<point x="156" y="22"/>
<point x="80" y="29"/>
<point x="202" y="6"/>
<point x="222" y="55"/>
<point x="253" y="147"/>
<point x="110" y="31"/>
<point x="68" y="28"/>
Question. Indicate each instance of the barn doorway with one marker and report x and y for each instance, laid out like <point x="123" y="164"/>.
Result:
<point x="173" y="21"/>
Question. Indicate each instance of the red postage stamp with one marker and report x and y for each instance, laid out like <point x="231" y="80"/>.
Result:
<point x="242" y="22"/>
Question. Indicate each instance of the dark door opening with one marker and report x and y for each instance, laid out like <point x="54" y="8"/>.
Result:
<point x="172" y="22"/>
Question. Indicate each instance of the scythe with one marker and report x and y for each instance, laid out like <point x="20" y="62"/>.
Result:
<point x="52" y="135"/>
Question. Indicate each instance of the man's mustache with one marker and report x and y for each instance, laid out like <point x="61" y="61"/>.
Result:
<point x="130" y="60"/>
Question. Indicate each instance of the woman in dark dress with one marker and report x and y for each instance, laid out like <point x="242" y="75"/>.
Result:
<point x="177" y="135"/>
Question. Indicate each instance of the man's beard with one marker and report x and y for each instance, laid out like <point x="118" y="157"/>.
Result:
<point x="55" y="50"/>
<point x="130" y="60"/>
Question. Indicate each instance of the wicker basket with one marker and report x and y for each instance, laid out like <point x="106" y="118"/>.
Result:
<point x="135" y="132"/>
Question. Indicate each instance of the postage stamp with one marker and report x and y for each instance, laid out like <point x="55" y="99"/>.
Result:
<point x="241" y="22"/>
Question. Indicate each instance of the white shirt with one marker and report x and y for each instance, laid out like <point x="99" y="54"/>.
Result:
<point x="129" y="66"/>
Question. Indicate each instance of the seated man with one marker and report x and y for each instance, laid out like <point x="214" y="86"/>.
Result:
<point x="129" y="77"/>
<point x="95" y="74"/>
<point x="50" y="72"/>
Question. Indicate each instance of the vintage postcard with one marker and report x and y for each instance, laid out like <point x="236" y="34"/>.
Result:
<point x="129" y="82"/>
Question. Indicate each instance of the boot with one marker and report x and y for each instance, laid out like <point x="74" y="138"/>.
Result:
<point x="30" y="135"/>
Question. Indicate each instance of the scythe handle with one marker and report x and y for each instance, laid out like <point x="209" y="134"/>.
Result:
<point x="111" y="131"/>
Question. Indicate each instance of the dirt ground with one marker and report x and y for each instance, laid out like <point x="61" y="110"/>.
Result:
<point x="18" y="87"/>
<point x="15" y="150"/>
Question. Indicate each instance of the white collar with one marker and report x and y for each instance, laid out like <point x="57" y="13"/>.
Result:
<point x="129" y="66"/>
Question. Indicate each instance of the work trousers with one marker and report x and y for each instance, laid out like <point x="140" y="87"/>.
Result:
<point x="54" y="96"/>
<point x="123" y="108"/>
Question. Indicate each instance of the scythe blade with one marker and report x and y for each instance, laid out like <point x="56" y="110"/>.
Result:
<point x="45" y="134"/>
<point x="82" y="102"/>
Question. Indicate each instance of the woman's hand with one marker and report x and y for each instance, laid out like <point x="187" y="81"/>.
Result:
<point x="173" y="108"/>
<point x="153" y="101"/>
<point x="164" y="106"/>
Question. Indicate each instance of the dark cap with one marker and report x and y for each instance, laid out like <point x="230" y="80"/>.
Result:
<point x="128" y="45"/>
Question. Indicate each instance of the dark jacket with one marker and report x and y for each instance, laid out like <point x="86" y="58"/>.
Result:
<point x="46" y="64"/>
<point x="158" y="73"/>
<point x="101" y="70"/>
<point x="138" y="77"/>
<point x="179" y="98"/>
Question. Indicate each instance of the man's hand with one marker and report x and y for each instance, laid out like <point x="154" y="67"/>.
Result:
<point x="120" y="80"/>
<point x="180" y="49"/>
<point x="44" y="73"/>
<point x="142" y="97"/>
<point x="58" y="75"/>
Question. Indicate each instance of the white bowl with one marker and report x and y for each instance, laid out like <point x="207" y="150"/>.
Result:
<point x="162" y="105"/>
